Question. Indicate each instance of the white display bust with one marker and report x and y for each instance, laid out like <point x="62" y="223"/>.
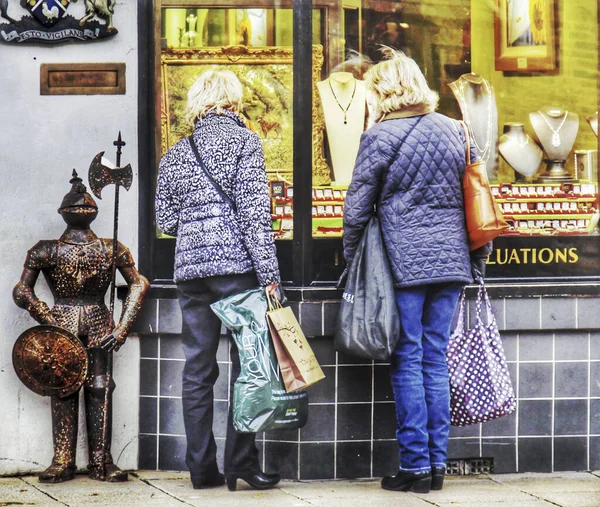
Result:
<point x="556" y="130"/>
<point x="477" y="104"/>
<point x="519" y="150"/>
<point x="344" y="106"/>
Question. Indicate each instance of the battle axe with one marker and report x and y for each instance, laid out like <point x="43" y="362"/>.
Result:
<point x="100" y="176"/>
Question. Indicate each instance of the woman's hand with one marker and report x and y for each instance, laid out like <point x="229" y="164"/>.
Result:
<point x="271" y="289"/>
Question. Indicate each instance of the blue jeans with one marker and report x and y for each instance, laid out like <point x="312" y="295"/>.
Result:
<point x="419" y="374"/>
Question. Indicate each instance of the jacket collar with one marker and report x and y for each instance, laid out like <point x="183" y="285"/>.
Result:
<point x="409" y="112"/>
<point x="213" y="116"/>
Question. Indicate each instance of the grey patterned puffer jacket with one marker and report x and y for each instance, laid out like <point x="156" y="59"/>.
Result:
<point x="211" y="238"/>
<point x="412" y="168"/>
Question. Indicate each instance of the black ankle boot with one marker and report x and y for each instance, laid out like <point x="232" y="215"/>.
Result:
<point x="419" y="482"/>
<point x="437" y="477"/>
<point x="256" y="480"/>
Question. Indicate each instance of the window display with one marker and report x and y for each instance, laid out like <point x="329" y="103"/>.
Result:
<point x="524" y="80"/>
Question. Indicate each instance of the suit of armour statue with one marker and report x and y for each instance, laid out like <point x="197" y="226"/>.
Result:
<point x="78" y="269"/>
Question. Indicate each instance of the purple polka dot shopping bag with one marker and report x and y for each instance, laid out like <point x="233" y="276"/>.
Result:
<point x="480" y="384"/>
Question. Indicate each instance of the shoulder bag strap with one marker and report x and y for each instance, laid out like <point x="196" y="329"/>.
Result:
<point x="464" y="126"/>
<point x="218" y="188"/>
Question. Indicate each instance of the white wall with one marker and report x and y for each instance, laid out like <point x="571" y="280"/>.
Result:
<point x="43" y="139"/>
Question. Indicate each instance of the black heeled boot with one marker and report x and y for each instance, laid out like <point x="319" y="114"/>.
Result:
<point x="437" y="477"/>
<point x="256" y="480"/>
<point x="419" y="482"/>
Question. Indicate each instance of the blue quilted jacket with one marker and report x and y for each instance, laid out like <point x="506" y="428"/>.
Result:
<point x="212" y="239"/>
<point x="412" y="168"/>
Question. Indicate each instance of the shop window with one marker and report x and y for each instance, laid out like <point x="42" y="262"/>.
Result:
<point x="521" y="73"/>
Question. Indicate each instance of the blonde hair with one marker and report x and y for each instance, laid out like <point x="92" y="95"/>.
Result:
<point x="214" y="90"/>
<point x="396" y="83"/>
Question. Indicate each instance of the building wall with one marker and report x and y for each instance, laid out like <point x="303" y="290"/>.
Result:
<point x="44" y="138"/>
<point x="552" y="345"/>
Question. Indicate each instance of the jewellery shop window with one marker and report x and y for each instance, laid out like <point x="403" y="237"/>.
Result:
<point x="523" y="76"/>
<point x="256" y="45"/>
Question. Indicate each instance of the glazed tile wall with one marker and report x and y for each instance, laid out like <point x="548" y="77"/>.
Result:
<point x="553" y="349"/>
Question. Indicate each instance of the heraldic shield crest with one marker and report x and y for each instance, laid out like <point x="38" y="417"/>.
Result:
<point x="50" y="361"/>
<point x="48" y="12"/>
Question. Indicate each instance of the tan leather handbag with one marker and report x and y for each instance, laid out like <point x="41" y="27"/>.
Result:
<point x="483" y="215"/>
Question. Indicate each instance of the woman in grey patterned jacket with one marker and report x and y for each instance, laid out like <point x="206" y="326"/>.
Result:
<point x="224" y="246"/>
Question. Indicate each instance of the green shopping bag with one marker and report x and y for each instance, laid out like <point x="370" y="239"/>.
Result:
<point x="260" y="401"/>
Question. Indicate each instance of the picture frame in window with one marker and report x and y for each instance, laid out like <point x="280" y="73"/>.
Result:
<point x="267" y="78"/>
<point x="525" y="36"/>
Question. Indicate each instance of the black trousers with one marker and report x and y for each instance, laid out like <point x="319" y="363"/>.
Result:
<point x="200" y="337"/>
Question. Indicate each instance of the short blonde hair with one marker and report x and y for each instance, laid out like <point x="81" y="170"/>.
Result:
<point x="214" y="90"/>
<point x="396" y="83"/>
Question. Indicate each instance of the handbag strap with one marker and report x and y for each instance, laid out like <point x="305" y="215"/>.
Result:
<point x="483" y="298"/>
<point x="218" y="188"/>
<point x="466" y="131"/>
<point x="458" y="322"/>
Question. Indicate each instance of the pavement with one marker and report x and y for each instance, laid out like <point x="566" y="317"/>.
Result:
<point x="169" y="489"/>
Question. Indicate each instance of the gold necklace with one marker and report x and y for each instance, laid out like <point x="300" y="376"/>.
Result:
<point x="556" y="142"/>
<point x="485" y="152"/>
<point x="338" y="102"/>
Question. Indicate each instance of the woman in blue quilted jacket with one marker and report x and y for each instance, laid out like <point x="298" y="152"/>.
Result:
<point x="216" y="202"/>
<point x="410" y="165"/>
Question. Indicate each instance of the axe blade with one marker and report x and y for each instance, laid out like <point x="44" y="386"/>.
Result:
<point x="101" y="176"/>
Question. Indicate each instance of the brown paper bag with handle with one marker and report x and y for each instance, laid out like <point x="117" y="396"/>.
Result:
<point x="297" y="362"/>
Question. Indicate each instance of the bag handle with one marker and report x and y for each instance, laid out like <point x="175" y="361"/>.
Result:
<point x="483" y="298"/>
<point x="459" y="317"/>
<point x="272" y="301"/>
<point x="466" y="130"/>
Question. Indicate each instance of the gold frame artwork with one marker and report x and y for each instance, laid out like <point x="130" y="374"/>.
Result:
<point x="529" y="48"/>
<point x="266" y="74"/>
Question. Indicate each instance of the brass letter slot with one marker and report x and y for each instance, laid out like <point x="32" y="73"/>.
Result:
<point x="82" y="79"/>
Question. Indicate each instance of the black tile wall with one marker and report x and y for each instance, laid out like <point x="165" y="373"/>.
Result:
<point x="148" y="377"/>
<point x="535" y="454"/>
<point x="386" y="459"/>
<point x="535" y="380"/>
<point x="149" y="414"/>
<point x="571" y="380"/>
<point x="321" y="424"/>
<point x="354" y="421"/>
<point x="570" y="453"/>
<point x="148" y="455"/>
<point x="571" y="417"/>
<point x="503" y="451"/>
<point x="317" y="461"/>
<point x="353" y="460"/>
<point x="354" y="383"/>
<point x="283" y="458"/>
<point x="554" y="360"/>
<point x="535" y="417"/>
<point x="171" y="417"/>
<point x="535" y="347"/>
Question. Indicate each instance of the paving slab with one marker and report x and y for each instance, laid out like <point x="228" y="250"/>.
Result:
<point x="83" y="491"/>
<point x="16" y="491"/>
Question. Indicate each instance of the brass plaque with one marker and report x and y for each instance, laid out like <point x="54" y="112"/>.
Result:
<point x="82" y="79"/>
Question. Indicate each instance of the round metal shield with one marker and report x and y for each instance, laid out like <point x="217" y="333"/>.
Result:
<point x="50" y="361"/>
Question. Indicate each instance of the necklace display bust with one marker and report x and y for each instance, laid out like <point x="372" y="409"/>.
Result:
<point x="477" y="104"/>
<point x="344" y="106"/>
<point x="519" y="150"/>
<point x="556" y="130"/>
